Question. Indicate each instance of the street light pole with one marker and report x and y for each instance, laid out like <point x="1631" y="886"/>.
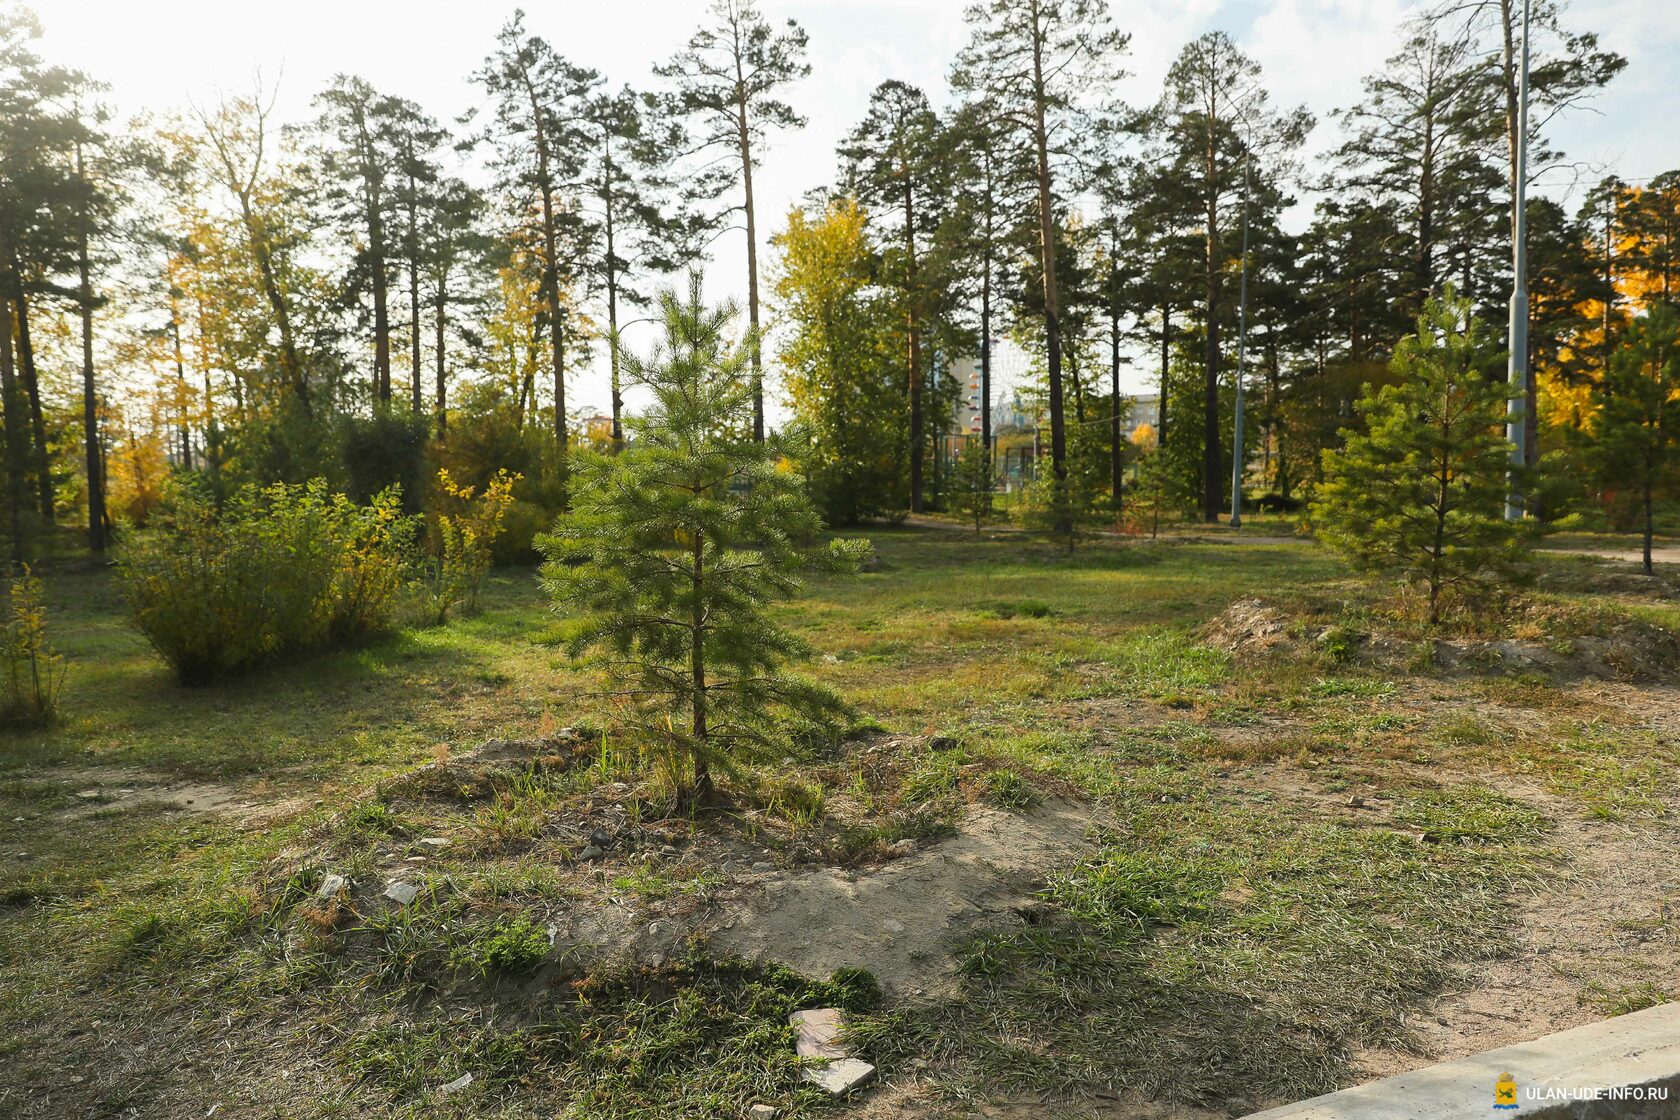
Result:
<point x="1516" y="423"/>
<point x="1237" y="460"/>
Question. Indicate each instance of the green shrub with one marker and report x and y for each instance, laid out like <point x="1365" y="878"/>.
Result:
<point x="512" y="947"/>
<point x="34" y="671"/>
<point x="467" y="528"/>
<point x="276" y="570"/>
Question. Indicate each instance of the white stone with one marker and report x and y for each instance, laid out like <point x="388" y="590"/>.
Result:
<point x="819" y="1033"/>
<point x="761" y="1112"/>
<point x="435" y="841"/>
<point x="331" y="887"/>
<point x="839" y="1077"/>
<point x="458" y="1084"/>
<point x="401" y="893"/>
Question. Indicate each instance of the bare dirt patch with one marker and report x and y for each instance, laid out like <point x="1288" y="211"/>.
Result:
<point x="901" y="920"/>
<point x="97" y="791"/>
<point x="1597" y="933"/>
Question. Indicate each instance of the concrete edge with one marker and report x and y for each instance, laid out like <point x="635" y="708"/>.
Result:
<point x="1641" y="1049"/>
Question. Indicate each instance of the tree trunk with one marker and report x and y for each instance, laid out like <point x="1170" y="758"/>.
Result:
<point x="1213" y="459"/>
<point x="32" y="389"/>
<point x="439" y="322"/>
<point x="917" y="422"/>
<point x="1115" y="459"/>
<point x="183" y="426"/>
<point x="14" y="431"/>
<point x="413" y="254"/>
<point x="697" y="676"/>
<point x="755" y="352"/>
<point x="1166" y="372"/>
<point x="551" y="262"/>
<point x="612" y="302"/>
<point x="1650" y="524"/>
<point x="986" y="336"/>
<point x="1047" y="251"/>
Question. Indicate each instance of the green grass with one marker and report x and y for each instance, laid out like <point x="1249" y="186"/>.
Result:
<point x="1223" y="944"/>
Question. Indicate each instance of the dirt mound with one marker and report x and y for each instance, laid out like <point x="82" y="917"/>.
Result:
<point x="1247" y="626"/>
<point x="901" y="920"/>
<point x="1577" y="645"/>
<point x="1564" y="641"/>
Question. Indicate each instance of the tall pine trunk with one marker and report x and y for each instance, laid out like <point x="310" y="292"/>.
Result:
<point x="744" y="135"/>
<point x="12" y="402"/>
<point x="439" y="317"/>
<point x="1052" y="302"/>
<point x="39" y="453"/>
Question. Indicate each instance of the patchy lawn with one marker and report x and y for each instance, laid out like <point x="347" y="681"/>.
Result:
<point x="1099" y="837"/>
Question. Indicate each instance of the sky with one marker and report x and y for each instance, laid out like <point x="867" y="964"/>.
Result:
<point x="161" y="55"/>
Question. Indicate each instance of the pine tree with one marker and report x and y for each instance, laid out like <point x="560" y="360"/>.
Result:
<point x="972" y="482"/>
<point x="1222" y="133"/>
<point x="1420" y="494"/>
<point x="1636" y="437"/>
<point x="728" y="79"/>
<point x="674" y="549"/>
<point x="984" y="227"/>
<point x="1046" y="66"/>
<point x="893" y="167"/>
<point x="539" y="101"/>
<point x="628" y="183"/>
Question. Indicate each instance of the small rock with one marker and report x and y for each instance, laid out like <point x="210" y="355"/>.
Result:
<point x="458" y="1084"/>
<point x="1356" y="802"/>
<point x="819" y="1033"/>
<point x="762" y="866"/>
<point x="943" y="743"/>
<point x="401" y="893"/>
<point x="601" y="839"/>
<point x="840" y="1077"/>
<point x="88" y="794"/>
<point x="331" y="887"/>
<point x="761" y="1112"/>
<point x="892" y="925"/>
<point x="435" y="841"/>
<point x="903" y="847"/>
<point x="590" y="854"/>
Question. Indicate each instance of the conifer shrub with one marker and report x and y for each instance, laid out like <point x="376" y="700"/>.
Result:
<point x="276" y="570"/>
<point x="1420" y="494"/>
<point x="674" y="550"/>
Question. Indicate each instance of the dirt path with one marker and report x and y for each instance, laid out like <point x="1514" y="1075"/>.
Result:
<point x="1209" y="534"/>
<point x="1664" y="554"/>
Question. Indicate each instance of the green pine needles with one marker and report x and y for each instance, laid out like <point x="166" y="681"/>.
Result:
<point x="1420" y="493"/>
<point x="674" y="549"/>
